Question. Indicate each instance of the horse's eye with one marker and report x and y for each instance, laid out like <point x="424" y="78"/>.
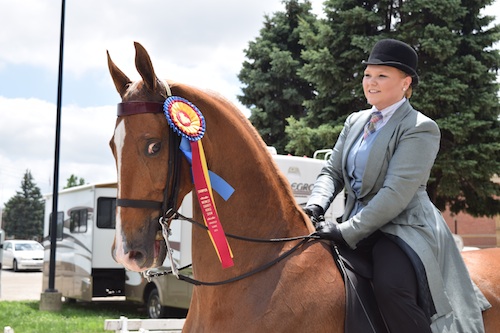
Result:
<point x="154" y="148"/>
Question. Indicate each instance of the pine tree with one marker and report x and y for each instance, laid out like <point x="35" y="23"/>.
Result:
<point x="333" y="51"/>
<point x="273" y="90"/>
<point x="458" y="70"/>
<point x="458" y="88"/>
<point x="23" y="213"/>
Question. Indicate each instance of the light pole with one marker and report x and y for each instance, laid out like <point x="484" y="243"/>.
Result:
<point x="50" y="299"/>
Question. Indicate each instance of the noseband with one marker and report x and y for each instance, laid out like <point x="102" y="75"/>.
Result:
<point x="170" y="193"/>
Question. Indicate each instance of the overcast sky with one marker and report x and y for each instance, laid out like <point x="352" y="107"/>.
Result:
<point x="192" y="41"/>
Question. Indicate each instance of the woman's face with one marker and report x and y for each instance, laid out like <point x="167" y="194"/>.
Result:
<point x="384" y="85"/>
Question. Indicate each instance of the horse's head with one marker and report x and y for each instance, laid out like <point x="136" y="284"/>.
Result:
<point x="140" y="145"/>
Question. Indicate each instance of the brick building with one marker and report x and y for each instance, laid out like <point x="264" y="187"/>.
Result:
<point x="480" y="232"/>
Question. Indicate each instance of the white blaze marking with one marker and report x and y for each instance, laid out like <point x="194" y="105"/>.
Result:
<point x="120" y="256"/>
<point x="119" y="139"/>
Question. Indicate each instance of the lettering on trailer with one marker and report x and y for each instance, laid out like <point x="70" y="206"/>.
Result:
<point x="302" y="189"/>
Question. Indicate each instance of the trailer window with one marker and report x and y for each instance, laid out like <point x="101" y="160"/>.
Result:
<point x="78" y="221"/>
<point x="106" y="213"/>
<point x="60" y="223"/>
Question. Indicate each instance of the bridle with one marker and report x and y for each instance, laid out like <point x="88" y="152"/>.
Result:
<point x="170" y="197"/>
<point x="171" y="192"/>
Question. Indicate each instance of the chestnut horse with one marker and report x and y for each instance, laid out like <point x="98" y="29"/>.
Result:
<point x="303" y="292"/>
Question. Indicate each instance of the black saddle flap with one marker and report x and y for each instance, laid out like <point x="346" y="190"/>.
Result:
<point x="362" y="313"/>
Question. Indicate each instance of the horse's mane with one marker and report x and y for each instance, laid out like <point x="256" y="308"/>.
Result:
<point x="229" y="106"/>
<point x="230" y="110"/>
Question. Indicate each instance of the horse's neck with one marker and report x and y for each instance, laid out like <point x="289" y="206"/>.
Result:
<point x="262" y="194"/>
<point x="262" y="205"/>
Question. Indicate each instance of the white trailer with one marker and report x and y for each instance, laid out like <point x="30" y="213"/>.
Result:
<point x="86" y="220"/>
<point x="85" y="232"/>
<point x="2" y="239"/>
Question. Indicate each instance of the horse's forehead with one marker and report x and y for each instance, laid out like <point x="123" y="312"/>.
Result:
<point x="133" y="91"/>
<point x="137" y="91"/>
<point x="141" y="126"/>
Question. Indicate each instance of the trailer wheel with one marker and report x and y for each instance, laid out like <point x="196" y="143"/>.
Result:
<point x="154" y="307"/>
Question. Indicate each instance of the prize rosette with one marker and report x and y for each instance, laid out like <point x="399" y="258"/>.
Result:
<point x="187" y="120"/>
<point x="184" y="118"/>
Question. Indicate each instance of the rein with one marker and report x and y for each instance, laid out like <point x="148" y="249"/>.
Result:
<point x="175" y="270"/>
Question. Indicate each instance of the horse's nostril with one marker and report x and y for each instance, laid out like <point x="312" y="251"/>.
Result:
<point x="138" y="257"/>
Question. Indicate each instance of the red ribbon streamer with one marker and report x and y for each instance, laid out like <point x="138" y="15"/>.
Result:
<point x="207" y="205"/>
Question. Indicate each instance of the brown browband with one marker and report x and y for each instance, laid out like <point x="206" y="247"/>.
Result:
<point x="130" y="108"/>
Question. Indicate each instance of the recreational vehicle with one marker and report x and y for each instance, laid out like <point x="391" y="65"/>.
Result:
<point x="2" y="239"/>
<point x="85" y="232"/>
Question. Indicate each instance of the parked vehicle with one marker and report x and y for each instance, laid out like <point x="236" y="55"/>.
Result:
<point x="2" y="239"/>
<point x="22" y="255"/>
<point x="85" y="232"/>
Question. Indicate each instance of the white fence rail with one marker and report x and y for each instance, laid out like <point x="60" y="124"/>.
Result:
<point x="125" y="325"/>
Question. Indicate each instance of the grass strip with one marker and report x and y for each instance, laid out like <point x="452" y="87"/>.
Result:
<point x="79" y="317"/>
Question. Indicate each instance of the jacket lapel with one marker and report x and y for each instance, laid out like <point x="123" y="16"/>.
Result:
<point x="354" y="133"/>
<point x="379" y="148"/>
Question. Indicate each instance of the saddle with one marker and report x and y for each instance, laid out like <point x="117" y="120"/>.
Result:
<point x="362" y="312"/>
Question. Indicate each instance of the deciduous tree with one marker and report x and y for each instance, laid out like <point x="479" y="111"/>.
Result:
<point x="73" y="181"/>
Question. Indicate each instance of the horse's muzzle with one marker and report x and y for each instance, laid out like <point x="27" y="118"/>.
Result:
<point x="139" y="253"/>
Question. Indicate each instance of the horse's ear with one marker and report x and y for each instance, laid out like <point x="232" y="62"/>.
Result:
<point x="120" y="80"/>
<point x="145" y="67"/>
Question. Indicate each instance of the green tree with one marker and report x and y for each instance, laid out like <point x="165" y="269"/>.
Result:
<point x="73" y="181"/>
<point x="333" y="48"/>
<point x="458" y="70"/>
<point x="333" y="51"/>
<point x="458" y="88"/>
<point x="273" y="90"/>
<point x="23" y="213"/>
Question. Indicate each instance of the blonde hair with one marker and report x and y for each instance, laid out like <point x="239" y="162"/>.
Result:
<point x="408" y="92"/>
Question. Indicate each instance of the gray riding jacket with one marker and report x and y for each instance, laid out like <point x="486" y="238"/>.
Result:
<point x="395" y="202"/>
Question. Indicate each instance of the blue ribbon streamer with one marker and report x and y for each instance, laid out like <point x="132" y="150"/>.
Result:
<point x="218" y="184"/>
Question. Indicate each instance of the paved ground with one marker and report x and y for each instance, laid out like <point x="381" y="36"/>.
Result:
<point x="17" y="286"/>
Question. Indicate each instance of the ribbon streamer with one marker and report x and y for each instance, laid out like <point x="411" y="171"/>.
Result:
<point x="218" y="183"/>
<point x="207" y="204"/>
<point x="187" y="120"/>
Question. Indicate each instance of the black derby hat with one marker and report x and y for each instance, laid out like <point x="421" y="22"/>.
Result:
<point x="394" y="53"/>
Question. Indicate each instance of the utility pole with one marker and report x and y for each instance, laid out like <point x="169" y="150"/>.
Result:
<point x="50" y="299"/>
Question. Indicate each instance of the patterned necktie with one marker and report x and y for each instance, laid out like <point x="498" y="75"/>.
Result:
<point x="370" y="127"/>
